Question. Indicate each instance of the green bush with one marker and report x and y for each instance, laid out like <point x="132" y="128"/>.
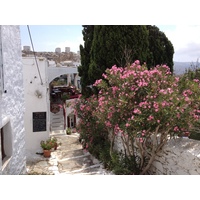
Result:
<point x="124" y="165"/>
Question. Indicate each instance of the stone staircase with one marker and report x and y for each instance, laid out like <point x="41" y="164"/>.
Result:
<point x="68" y="159"/>
<point x="57" y="121"/>
<point x="74" y="160"/>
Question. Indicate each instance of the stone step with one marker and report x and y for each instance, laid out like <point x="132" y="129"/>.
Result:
<point x="77" y="163"/>
<point x="57" y="124"/>
<point x="67" y="154"/>
<point x="57" y="128"/>
<point x="92" y="169"/>
<point x="56" y="117"/>
<point x="58" y="133"/>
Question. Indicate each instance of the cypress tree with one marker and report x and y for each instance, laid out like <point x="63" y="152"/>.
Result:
<point x="87" y="32"/>
<point x="108" y="45"/>
<point x="116" y="45"/>
<point x="161" y="49"/>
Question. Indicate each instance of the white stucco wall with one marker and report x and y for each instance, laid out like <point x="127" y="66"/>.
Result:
<point x="179" y="157"/>
<point x="12" y="102"/>
<point x="34" y="103"/>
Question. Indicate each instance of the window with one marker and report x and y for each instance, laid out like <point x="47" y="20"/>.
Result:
<point x="2" y="145"/>
<point x="6" y="148"/>
<point x="1" y="65"/>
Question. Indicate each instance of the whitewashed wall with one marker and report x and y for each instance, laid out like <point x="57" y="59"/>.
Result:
<point x="179" y="157"/>
<point x="12" y="102"/>
<point x="34" y="103"/>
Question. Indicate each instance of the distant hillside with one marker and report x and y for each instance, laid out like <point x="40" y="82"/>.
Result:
<point x="180" y="67"/>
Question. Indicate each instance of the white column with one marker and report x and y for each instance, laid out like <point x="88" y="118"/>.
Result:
<point x="75" y="80"/>
<point x="68" y="79"/>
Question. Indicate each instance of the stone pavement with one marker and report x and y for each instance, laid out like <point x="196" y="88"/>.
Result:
<point x="69" y="158"/>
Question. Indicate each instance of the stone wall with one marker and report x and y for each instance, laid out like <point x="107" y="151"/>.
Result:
<point x="179" y="157"/>
<point x="12" y="102"/>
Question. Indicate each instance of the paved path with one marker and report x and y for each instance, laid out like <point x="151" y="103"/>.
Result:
<point x="69" y="159"/>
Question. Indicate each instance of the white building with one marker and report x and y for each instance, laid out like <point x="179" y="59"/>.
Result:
<point x="26" y="48"/>
<point x="12" y="131"/>
<point x="58" y="50"/>
<point x="36" y="102"/>
<point x="67" y="49"/>
<point x="38" y="118"/>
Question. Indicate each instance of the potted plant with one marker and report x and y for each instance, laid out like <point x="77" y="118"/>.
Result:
<point x="68" y="131"/>
<point x="46" y="146"/>
<point x="55" y="143"/>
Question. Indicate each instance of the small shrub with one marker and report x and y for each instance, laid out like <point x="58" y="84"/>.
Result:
<point x="68" y="131"/>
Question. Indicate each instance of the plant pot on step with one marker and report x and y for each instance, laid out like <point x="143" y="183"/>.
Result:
<point x="46" y="146"/>
<point x="47" y="153"/>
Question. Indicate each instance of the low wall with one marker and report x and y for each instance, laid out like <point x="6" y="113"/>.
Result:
<point x="180" y="156"/>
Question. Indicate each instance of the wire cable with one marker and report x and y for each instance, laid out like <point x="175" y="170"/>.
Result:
<point x="34" y="55"/>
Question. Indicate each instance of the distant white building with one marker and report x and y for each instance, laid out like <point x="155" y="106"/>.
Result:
<point x="58" y="50"/>
<point x="12" y="130"/>
<point x="67" y="49"/>
<point x="26" y="48"/>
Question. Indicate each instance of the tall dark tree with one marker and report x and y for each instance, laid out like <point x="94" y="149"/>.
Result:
<point x="161" y="49"/>
<point x="107" y="45"/>
<point x="111" y="44"/>
<point x="87" y="32"/>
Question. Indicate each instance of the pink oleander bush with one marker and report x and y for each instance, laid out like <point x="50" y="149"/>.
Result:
<point x="144" y="108"/>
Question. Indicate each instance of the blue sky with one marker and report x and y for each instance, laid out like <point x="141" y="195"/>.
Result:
<point x="185" y="39"/>
<point x="49" y="37"/>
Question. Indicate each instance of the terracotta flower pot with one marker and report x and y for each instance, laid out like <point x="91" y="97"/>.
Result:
<point x="47" y="153"/>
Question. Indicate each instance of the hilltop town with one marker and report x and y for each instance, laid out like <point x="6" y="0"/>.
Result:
<point x="56" y="56"/>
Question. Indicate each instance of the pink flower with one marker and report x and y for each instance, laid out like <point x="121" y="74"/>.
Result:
<point x="104" y="75"/>
<point x="196" y="80"/>
<point x="141" y="140"/>
<point x="108" y="124"/>
<point x="132" y="117"/>
<point x="176" y="128"/>
<point x="143" y="132"/>
<point x="136" y="111"/>
<point x="137" y="62"/>
<point x="97" y="82"/>
<point x="150" y="118"/>
<point x="127" y="124"/>
<point x="109" y="115"/>
<point x="114" y="89"/>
